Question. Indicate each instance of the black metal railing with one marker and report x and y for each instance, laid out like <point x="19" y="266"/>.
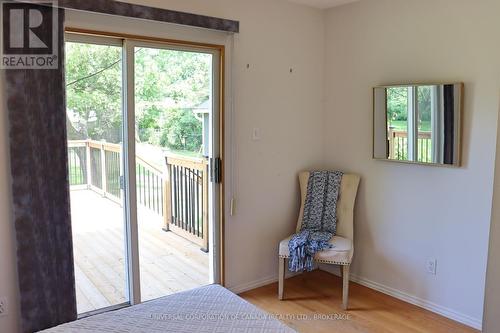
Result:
<point x="187" y="191"/>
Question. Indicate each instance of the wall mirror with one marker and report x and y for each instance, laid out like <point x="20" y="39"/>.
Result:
<point x="418" y="123"/>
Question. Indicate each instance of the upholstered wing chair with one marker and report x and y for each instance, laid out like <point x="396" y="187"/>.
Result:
<point x="342" y="251"/>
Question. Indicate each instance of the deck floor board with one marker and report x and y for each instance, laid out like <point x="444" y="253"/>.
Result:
<point x="169" y="263"/>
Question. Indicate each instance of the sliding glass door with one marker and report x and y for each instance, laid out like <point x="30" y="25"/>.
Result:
<point x="95" y="142"/>
<point x="173" y="106"/>
<point x="143" y="134"/>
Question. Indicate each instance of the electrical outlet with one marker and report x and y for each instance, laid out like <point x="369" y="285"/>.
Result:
<point x="3" y="306"/>
<point x="431" y="266"/>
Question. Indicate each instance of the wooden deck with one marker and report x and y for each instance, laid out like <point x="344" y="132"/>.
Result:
<point x="169" y="263"/>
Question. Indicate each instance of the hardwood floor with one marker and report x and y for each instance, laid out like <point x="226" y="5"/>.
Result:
<point x="168" y="263"/>
<point x="319" y="293"/>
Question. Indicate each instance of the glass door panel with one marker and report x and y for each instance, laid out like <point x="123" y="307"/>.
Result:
<point x="397" y="119"/>
<point x="95" y="145"/>
<point x="426" y="117"/>
<point x="173" y="113"/>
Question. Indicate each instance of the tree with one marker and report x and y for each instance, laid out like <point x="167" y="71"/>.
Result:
<point x="424" y="103"/>
<point x="397" y="104"/>
<point x="93" y="90"/>
<point x="182" y="131"/>
<point x="168" y="85"/>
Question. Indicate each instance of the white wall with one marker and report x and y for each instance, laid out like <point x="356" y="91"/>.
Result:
<point x="275" y="36"/>
<point x="407" y="213"/>
<point x="491" y="323"/>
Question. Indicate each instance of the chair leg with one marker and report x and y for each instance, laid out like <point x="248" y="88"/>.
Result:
<point x="281" y="277"/>
<point x="345" y="286"/>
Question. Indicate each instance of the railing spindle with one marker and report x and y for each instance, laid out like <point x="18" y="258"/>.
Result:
<point x="197" y="204"/>
<point x="157" y="195"/>
<point x="176" y="192"/>
<point x="191" y="201"/>
<point x="181" y="198"/>
<point x="151" y="189"/>
<point x="184" y="201"/>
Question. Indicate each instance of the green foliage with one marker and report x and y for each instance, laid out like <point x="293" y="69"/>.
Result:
<point x="164" y="74"/>
<point x="169" y="84"/>
<point x="182" y="131"/>
<point x="95" y="100"/>
<point x="397" y="107"/>
<point x="424" y="103"/>
<point x="148" y="124"/>
<point x="397" y="103"/>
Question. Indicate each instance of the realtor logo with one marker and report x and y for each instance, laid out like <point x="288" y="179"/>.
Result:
<point x="29" y="37"/>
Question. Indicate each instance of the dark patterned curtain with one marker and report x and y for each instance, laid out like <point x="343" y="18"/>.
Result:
<point x="38" y="147"/>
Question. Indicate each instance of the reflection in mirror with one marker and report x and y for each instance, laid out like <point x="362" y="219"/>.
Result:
<point x="418" y="123"/>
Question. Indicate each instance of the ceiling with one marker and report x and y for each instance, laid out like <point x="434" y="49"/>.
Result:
<point x="323" y="4"/>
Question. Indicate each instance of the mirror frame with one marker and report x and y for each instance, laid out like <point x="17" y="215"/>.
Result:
<point x="460" y="113"/>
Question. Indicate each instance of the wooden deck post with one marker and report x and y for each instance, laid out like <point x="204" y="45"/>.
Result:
<point x="167" y="195"/>
<point x="391" y="143"/>
<point x="103" y="170"/>
<point x="88" y="163"/>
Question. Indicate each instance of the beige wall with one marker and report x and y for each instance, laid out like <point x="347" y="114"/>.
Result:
<point x="407" y="213"/>
<point x="275" y="36"/>
<point x="491" y="323"/>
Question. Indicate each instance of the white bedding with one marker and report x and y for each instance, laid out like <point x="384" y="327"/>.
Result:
<point x="207" y="309"/>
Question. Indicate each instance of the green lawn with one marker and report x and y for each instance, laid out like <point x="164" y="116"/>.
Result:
<point x="76" y="175"/>
<point x="401" y="125"/>
<point x="185" y="153"/>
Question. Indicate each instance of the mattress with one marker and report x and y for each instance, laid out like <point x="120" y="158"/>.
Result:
<point x="207" y="309"/>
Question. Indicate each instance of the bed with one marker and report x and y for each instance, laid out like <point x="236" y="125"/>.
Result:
<point x="210" y="308"/>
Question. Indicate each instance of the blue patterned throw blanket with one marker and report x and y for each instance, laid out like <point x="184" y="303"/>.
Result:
<point x="319" y="222"/>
